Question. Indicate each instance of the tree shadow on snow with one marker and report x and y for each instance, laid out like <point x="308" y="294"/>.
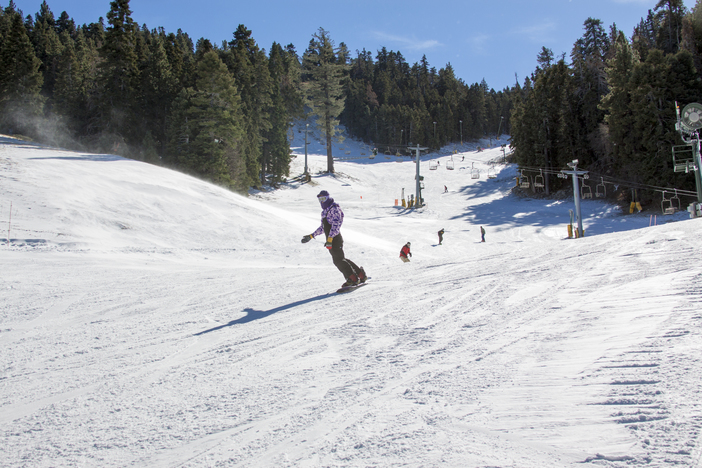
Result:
<point x="253" y="314"/>
<point x="512" y="210"/>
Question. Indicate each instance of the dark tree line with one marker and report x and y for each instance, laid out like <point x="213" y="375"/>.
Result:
<point x="389" y="102"/>
<point x="220" y="111"/>
<point x="224" y="111"/>
<point x="613" y="106"/>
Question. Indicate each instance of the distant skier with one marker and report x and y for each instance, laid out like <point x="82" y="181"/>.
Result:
<point x="482" y="234"/>
<point x="332" y="218"/>
<point x="441" y="236"/>
<point x="405" y="253"/>
<point x="445" y="189"/>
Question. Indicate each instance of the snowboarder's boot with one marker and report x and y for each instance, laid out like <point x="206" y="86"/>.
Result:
<point x="362" y="277"/>
<point x="352" y="280"/>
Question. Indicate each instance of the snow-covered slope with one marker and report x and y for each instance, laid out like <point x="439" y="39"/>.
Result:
<point x="151" y="319"/>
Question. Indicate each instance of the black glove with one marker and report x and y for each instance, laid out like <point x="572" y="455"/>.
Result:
<point x="307" y="238"/>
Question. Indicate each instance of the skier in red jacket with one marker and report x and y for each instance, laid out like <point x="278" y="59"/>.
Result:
<point x="405" y="252"/>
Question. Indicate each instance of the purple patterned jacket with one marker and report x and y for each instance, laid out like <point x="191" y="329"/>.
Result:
<point x="334" y="217"/>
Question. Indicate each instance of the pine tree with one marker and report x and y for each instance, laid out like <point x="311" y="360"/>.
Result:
<point x="119" y="74"/>
<point x="361" y="101"/>
<point x="669" y="16"/>
<point x="618" y="105"/>
<point x="249" y="66"/>
<point x="66" y="24"/>
<point x="290" y="84"/>
<point x="645" y="36"/>
<point x="276" y="148"/>
<point x="325" y="72"/>
<point x="475" y="104"/>
<point x="20" y="78"/>
<point x="691" y="34"/>
<point x="590" y="82"/>
<point x="159" y="87"/>
<point x="205" y="126"/>
<point x="69" y="88"/>
<point x="656" y="85"/>
<point x="48" y="48"/>
<point x="544" y="60"/>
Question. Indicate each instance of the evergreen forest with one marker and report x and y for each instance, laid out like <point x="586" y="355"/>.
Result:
<point x="224" y="112"/>
<point x="612" y="106"/>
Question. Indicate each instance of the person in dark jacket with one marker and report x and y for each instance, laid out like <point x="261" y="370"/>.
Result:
<point x="441" y="236"/>
<point x="332" y="218"/>
<point x="405" y="253"/>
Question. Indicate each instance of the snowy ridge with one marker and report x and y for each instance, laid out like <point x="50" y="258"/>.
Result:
<point x="151" y="319"/>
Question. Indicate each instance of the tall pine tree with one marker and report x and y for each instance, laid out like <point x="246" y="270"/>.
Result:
<point x="20" y="78"/>
<point x="249" y="66"/>
<point x="324" y="70"/>
<point x="119" y="77"/>
<point x="205" y="126"/>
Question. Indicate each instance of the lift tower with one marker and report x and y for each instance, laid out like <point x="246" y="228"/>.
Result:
<point x="576" y="191"/>
<point x="689" y="125"/>
<point x="418" y="202"/>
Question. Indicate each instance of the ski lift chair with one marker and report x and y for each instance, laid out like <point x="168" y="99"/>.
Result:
<point x="524" y="181"/>
<point x="683" y="159"/>
<point x="601" y="189"/>
<point x="474" y="173"/>
<point x="433" y="165"/>
<point x="670" y="205"/>
<point x="666" y="205"/>
<point x="585" y="191"/>
<point x="539" y="180"/>
<point x="449" y="164"/>
<point x="492" y="174"/>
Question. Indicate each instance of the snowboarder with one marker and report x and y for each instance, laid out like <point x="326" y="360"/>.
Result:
<point x="405" y="252"/>
<point x="482" y="234"/>
<point x="441" y="236"/>
<point x="332" y="218"/>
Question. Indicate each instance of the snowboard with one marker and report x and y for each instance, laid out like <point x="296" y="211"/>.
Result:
<point x="348" y="289"/>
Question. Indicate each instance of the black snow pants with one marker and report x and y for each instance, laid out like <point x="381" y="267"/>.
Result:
<point x="345" y="266"/>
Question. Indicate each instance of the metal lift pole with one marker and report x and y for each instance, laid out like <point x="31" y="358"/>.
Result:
<point x="576" y="193"/>
<point x="418" y="200"/>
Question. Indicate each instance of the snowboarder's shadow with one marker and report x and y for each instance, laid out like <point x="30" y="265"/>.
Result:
<point x="253" y="314"/>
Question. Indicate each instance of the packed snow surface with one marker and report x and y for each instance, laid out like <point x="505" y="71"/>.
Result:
<point x="148" y="318"/>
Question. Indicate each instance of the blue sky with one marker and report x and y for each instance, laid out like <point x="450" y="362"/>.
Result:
<point x="480" y="39"/>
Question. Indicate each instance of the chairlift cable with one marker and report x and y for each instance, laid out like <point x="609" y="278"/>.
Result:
<point x="616" y="182"/>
